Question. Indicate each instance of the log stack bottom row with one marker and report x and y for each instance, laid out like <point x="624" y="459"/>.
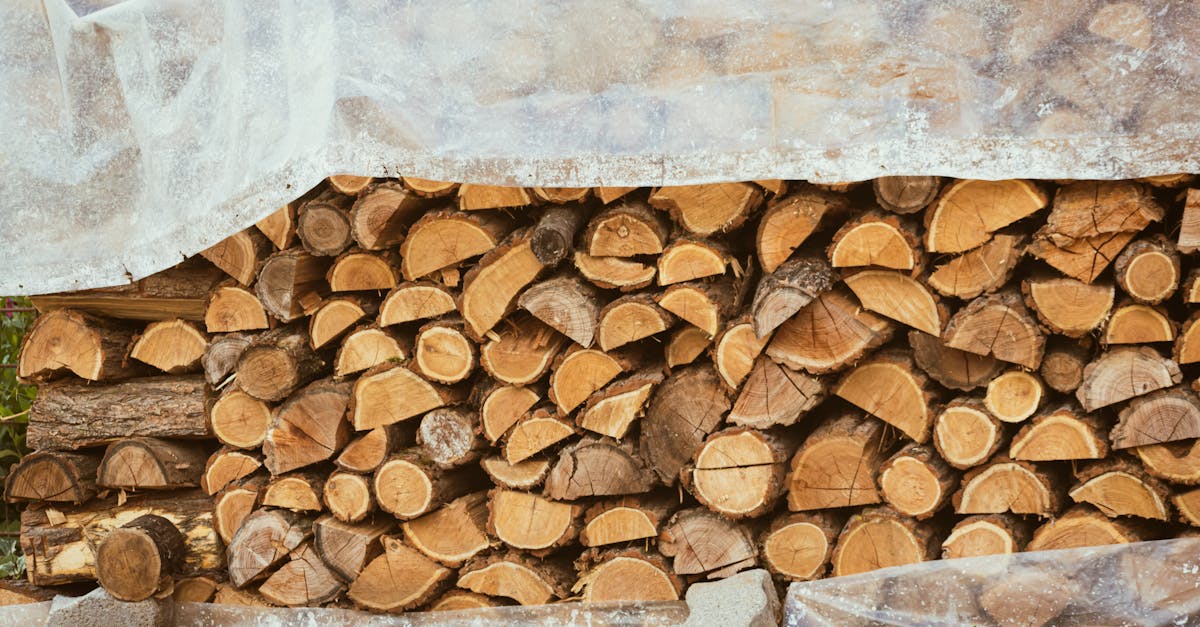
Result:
<point x="401" y="394"/>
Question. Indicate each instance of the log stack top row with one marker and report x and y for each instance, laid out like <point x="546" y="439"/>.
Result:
<point x="399" y="393"/>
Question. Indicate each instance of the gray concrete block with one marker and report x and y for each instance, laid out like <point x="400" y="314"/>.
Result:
<point x="747" y="599"/>
<point x="99" y="609"/>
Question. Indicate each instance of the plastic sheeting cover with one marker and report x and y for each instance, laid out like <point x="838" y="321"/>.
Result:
<point x="1144" y="583"/>
<point x="137" y="133"/>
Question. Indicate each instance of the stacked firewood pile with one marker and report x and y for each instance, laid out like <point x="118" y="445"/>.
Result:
<point x="402" y="394"/>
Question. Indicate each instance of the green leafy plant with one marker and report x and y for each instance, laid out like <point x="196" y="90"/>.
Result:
<point x="16" y="316"/>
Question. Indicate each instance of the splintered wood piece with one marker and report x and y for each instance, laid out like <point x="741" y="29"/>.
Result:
<point x="625" y="519"/>
<point x="774" y="187"/>
<point x="1188" y="504"/>
<point x="151" y="463"/>
<point x="534" y="433"/>
<point x="905" y="194"/>
<point x="491" y="288"/>
<point x="348" y="496"/>
<point x="65" y="340"/>
<point x="232" y="506"/>
<point x="500" y="407"/>
<point x="1062" y="366"/>
<point x="1187" y="345"/>
<point x="1087" y="209"/>
<point x="900" y="297"/>
<point x="427" y="188"/>
<point x="227" y="466"/>
<point x="798" y="546"/>
<point x="701" y="542"/>
<point x="304" y="581"/>
<point x="1004" y="485"/>
<point x="686" y="344"/>
<point x="951" y="367"/>
<point x="1119" y="487"/>
<point x="875" y="239"/>
<point x="612" y="410"/>
<point x="52" y="476"/>
<point x="450" y="436"/>
<point x="967" y="212"/>
<point x="389" y="393"/>
<point x="998" y="325"/>
<point x="520" y="351"/>
<point x="264" y="540"/>
<point x="365" y="453"/>
<point x="367" y="347"/>
<point x="515" y="576"/>
<point x="789" y="289"/>
<point x="73" y="414"/>
<point x="916" y="482"/>
<point x="415" y="301"/>
<point x="409" y="485"/>
<point x="280" y="226"/>
<point x="323" y="225"/>
<point x="626" y="575"/>
<point x="627" y="229"/>
<point x="309" y="428"/>
<point x="836" y="464"/>
<point x="530" y="522"/>
<point x="1083" y="259"/>
<point x="381" y="214"/>
<point x="708" y="209"/>
<point x="736" y="350"/>
<point x="562" y="195"/>
<point x="335" y="317"/>
<point x="1177" y="462"/>
<point x="441" y="239"/>
<point x="705" y="305"/>
<point x="877" y="538"/>
<point x="357" y="271"/>
<point x="979" y="270"/>
<point x="525" y="475"/>
<point x="613" y="273"/>
<point x="789" y="221"/>
<point x="137" y="559"/>
<point x="829" y="334"/>
<point x="348" y="547"/>
<point x="277" y="363"/>
<point x="597" y="467"/>
<point x="629" y="319"/>
<point x="443" y="353"/>
<point x="299" y="492"/>
<point x="890" y="388"/>
<point x="1138" y="324"/>
<point x="740" y="472"/>
<point x="1148" y="270"/>
<point x="1061" y="434"/>
<point x="689" y="259"/>
<point x="965" y="433"/>
<point x="478" y="197"/>
<point x="178" y="292"/>
<point x="221" y="356"/>
<point x="234" y="308"/>
<point x="348" y="184"/>
<point x="1163" y="416"/>
<point x="1081" y="526"/>
<point x="986" y="534"/>
<point x="567" y="304"/>
<point x="775" y="395"/>
<point x="1069" y="307"/>
<point x="1189" y="224"/>
<point x="608" y="194"/>
<point x="399" y="579"/>
<point x="1124" y="373"/>
<point x="452" y="534"/>
<point x="1014" y="396"/>
<point x="240" y="255"/>
<point x="579" y="373"/>
<point x="683" y="411"/>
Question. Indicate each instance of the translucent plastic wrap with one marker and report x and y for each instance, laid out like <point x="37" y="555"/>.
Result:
<point x="1145" y="583"/>
<point x="137" y="132"/>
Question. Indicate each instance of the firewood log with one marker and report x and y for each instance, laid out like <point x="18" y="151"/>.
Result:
<point x="309" y="427"/>
<point x="736" y="349"/>
<point x="443" y="353"/>
<point x="1187" y="503"/>
<point x="579" y="372"/>
<point x="264" y="540"/>
<point x="704" y="304"/>
<point x="612" y="410"/>
<point x="409" y="484"/>
<point x="478" y="197"/>
<point x="798" y="546"/>
<point x="966" y="434"/>
<point x="277" y="363"/>
<point x="520" y="351"/>
<point x="905" y="194"/>
<point x="1062" y="366"/>
<point x="238" y="419"/>
<point x="1014" y="396"/>
<point x="299" y="491"/>
<point x="627" y="229"/>
<point x="517" y="577"/>
<point x="625" y="519"/>
<point x="789" y="221"/>
<point x="688" y="259"/>
<point x="535" y="432"/>
<point x="194" y="590"/>
<point x="357" y="271"/>
<point x="304" y="580"/>
<point x="240" y="255"/>
<point x="1177" y="462"/>
<point x="1083" y="526"/>
<point x="399" y="579"/>
<point x="685" y="345"/>
<point x="234" y="308"/>
<point x="775" y="395"/>
<point x="221" y="357"/>
<point x="525" y="475"/>
<point x="1137" y="324"/>
<point x="366" y="452"/>
<point x="877" y="538"/>
<point x="500" y="406"/>
<point x="1083" y="259"/>
<point x="323" y="224"/>
<point x="830" y="334"/>
<point x="897" y="296"/>
<point x="916" y="482"/>
<point x="703" y="542"/>
<point x="553" y="237"/>
<point x="953" y="368"/>
<point x="997" y="325"/>
<point x="1189" y="223"/>
<point x="71" y="414"/>
<point x="1148" y="270"/>
<point x="491" y="288"/>
<point x="1124" y="373"/>
<point x="740" y="472"/>
<point x="178" y="292"/>
<point x="348" y="496"/>
<point x="336" y="316"/>
<point x="427" y="188"/>
<point x="614" y="273"/>
<point x="625" y="575"/>
<point x="967" y="212"/>
<point x="597" y="467"/>
<point x="88" y="346"/>
<point x="1035" y="598"/>
<point x="875" y="239"/>
<point x="367" y="347"/>
<point x="292" y="283"/>
<point x="139" y="558"/>
<point x="390" y="393"/>
<point x="349" y="185"/>
<point x="1004" y="485"/>
<point x="452" y="534"/>
<point x="348" y="547"/>
<point x="787" y="290"/>
<point x="889" y="387"/>
<point x="607" y="195"/>
<point x="382" y="213"/>
<point x="233" y="505"/>
<point x="1118" y="486"/>
<point x="441" y="239"/>
<point x="280" y="226"/>
<point x="1163" y="416"/>
<point x="836" y="464"/>
<point x="682" y="412"/>
<point x="52" y="476"/>
<point x="415" y="301"/>
<point x="708" y="209"/>
<point x="629" y="319"/>
<point x="530" y="522"/>
<point x="986" y="534"/>
<point x="567" y="304"/>
<point x="450" y="437"/>
<point x="980" y="270"/>
<point x="1067" y="306"/>
<point x="151" y="463"/>
<point x="1060" y="434"/>
<point x="226" y="466"/>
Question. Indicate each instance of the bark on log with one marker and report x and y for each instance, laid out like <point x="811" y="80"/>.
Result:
<point x="139" y="558"/>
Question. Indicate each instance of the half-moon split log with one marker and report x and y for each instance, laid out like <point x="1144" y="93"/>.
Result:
<point x="152" y="463"/>
<point x="980" y="270"/>
<point x="876" y="239"/>
<point x="708" y="209"/>
<point x="309" y="427"/>
<point x="87" y="346"/>
<point x="240" y="255"/>
<point x="967" y="212"/>
<point x="986" y="534"/>
<point x="382" y="213"/>
<point x="703" y="542"/>
<point x="998" y="325"/>
<point x="790" y="220"/>
<point x="1124" y="373"/>
<point x="1064" y="433"/>
<point x="878" y="537"/>
<point x="627" y="229"/>
<point x="292" y="283"/>
<point x="1119" y="487"/>
<point x="52" y="476"/>
<point x="598" y="467"/>
<point x="443" y="239"/>
<point x="792" y="286"/>
<point x="829" y="334"/>
<point x="399" y="579"/>
<point x="889" y="387"/>
<point x="1004" y="485"/>
<point x="836" y="465"/>
<point x="626" y="519"/>
<point x="234" y="308"/>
